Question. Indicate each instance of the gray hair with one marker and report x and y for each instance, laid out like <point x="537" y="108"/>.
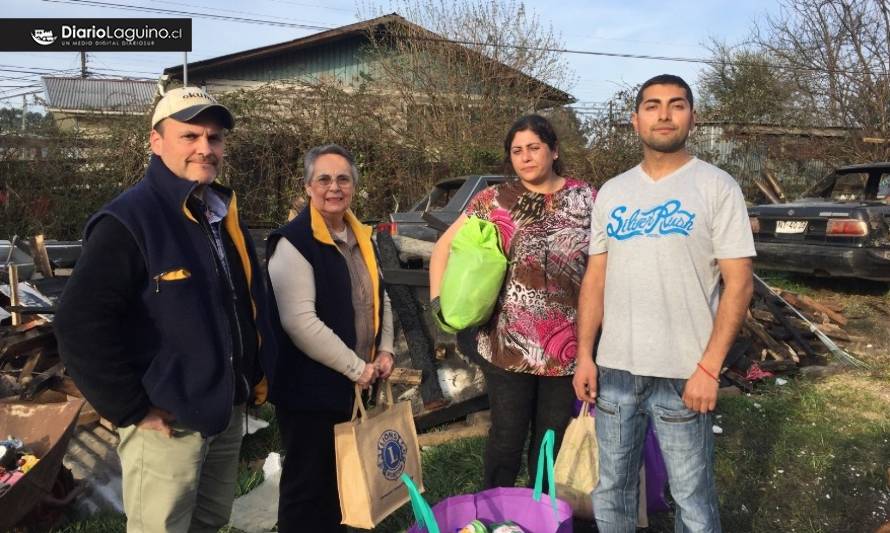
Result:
<point x="313" y="154"/>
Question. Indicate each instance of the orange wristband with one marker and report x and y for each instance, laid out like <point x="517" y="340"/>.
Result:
<point x="705" y="370"/>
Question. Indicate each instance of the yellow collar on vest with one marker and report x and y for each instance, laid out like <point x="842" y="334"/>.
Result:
<point x="362" y="233"/>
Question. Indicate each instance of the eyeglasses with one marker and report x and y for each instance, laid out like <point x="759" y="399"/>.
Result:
<point x="343" y="182"/>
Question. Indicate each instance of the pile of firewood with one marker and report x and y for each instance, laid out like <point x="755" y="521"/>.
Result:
<point x="784" y="331"/>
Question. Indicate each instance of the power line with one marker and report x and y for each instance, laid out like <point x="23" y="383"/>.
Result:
<point x="31" y="70"/>
<point x="714" y="62"/>
<point x="49" y="71"/>
<point x="227" y="18"/>
<point x="300" y="4"/>
<point x="4" y="96"/>
<point x="231" y="11"/>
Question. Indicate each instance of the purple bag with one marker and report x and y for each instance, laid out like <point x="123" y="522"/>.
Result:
<point x="656" y="471"/>
<point x="523" y="506"/>
<point x="499" y="505"/>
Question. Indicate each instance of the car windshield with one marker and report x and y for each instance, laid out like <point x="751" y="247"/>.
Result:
<point x="439" y="197"/>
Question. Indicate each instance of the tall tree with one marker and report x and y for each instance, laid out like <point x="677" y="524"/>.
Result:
<point x="741" y="85"/>
<point x="462" y="71"/>
<point x="815" y="62"/>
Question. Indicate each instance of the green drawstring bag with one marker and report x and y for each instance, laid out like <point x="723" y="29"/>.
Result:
<point x="473" y="277"/>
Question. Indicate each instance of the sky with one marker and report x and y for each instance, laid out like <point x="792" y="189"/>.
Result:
<point x="679" y="28"/>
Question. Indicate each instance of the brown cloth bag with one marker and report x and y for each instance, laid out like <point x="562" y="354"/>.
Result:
<point x="373" y="450"/>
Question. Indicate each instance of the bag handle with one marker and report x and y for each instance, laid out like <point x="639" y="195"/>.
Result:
<point x="423" y="515"/>
<point x="358" y="406"/>
<point x="585" y="410"/>
<point x="387" y="390"/>
<point x="546" y="453"/>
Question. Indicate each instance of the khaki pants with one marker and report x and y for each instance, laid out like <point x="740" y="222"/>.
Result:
<point x="184" y="483"/>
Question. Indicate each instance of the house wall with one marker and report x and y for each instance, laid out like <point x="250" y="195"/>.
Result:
<point x="340" y="60"/>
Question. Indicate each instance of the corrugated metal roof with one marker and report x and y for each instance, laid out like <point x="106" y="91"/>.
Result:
<point x="91" y="94"/>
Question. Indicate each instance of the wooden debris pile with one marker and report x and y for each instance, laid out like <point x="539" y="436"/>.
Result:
<point x="30" y="366"/>
<point x="784" y="331"/>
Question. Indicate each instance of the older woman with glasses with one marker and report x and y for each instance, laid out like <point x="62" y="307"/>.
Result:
<point x="334" y="331"/>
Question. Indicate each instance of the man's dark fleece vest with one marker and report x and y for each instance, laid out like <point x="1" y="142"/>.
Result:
<point x="295" y="380"/>
<point x="179" y="330"/>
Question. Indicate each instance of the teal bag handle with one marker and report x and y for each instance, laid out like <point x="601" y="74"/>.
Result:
<point x="546" y="453"/>
<point x="422" y="512"/>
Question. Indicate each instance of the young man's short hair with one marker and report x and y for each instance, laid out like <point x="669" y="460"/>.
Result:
<point x="663" y="79"/>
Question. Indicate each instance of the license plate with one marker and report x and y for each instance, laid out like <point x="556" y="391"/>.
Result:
<point x="791" y="226"/>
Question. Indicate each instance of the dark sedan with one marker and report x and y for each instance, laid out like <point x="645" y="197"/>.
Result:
<point x="433" y="213"/>
<point x="839" y="227"/>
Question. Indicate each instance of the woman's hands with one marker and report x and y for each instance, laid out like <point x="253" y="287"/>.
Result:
<point x="381" y="368"/>
<point x="369" y="374"/>
<point x="384" y="364"/>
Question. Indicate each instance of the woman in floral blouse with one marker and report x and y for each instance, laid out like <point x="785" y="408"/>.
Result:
<point x="527" y="348"/>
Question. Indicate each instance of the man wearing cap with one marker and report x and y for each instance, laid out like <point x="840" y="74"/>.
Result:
<point x="163" y="319"/>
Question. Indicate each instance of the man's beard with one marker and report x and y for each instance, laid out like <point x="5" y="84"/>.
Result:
<point x="666" y="146"/>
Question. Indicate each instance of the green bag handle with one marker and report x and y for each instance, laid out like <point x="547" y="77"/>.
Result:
<point x="422" y="512"/>
<point x="546" y="453"/>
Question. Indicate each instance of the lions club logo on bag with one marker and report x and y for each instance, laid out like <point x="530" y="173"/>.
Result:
<point x="391" y="452"/>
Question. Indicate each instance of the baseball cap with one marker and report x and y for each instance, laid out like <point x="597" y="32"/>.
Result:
<point x="185" y="103"/>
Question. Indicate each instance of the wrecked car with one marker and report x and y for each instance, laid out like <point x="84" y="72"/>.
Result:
<point x="839" y="227"/>
<point x="415" y="230"/>
<point x="433" y="213"/>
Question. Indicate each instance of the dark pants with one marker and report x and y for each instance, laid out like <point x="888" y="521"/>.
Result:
<point x="517" y="401"/>
<point x="308" y="497"/>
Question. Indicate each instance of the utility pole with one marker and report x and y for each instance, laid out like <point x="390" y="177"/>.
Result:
<point x="24" y="110"/>
<point x="83" y="64"/>
<point x="185" y="69"/>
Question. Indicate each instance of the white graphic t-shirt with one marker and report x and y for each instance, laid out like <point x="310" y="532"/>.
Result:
<point x="664" y="238"/>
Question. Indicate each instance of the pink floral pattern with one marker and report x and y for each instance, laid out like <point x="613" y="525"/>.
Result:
<point x="506" y="227"/>
<point x="545" y="237"/>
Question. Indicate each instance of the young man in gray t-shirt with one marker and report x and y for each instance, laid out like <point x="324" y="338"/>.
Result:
<point x="663" y="234"/>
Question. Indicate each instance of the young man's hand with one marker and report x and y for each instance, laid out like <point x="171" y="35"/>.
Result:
<point x="584" y="381"/>
<point x="700" y="392"/>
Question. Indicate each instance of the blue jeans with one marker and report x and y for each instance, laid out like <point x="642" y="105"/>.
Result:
<point x="623" y="405"/>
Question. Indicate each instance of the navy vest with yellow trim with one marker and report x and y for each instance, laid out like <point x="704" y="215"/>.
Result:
<point x="297" y="381"/>
<point x="183" y="332"/>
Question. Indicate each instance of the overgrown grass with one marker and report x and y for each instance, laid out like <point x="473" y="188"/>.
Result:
<point x="807" y="456"/>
